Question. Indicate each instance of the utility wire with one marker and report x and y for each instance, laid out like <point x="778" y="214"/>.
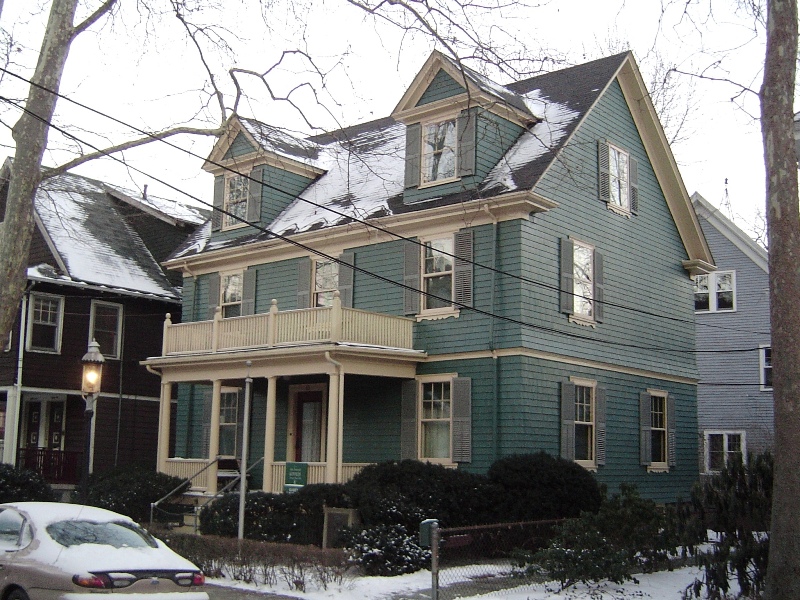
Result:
<point x="351" y="217"/>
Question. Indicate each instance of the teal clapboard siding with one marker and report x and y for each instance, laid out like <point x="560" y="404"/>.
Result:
<point x="371" y="426"/>
<point x="443" y="86"/>
<point x="279" y="190"/>
<point x="188" y="291"/>
<point x="196" y="305"/>
<point x="371" y="293"/>
<point x="239" y="147"/>
<point x="516" y="410"/>
<point x="494" y="136"/>
<point x="189" y="420"/>
<point x="277" y="281"/>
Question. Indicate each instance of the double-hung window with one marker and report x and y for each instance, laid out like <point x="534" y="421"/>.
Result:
<point x="435" y="421"/>
<point x="437" y="274"/>
<point x="583" y="427"/>
<point x="715" y="292"/>
<point x="618" y="175"/>
<point x="228" y="422"/>
<point x="439" y="151"/>
<point x="765" y="360"/>
<point x="326" y="282"/>
<point x="581" y="282"/>
<point x="618" y="179"/>
<point x="723" y="447"/>
<point x="231" y="295"/>
<point x="237" y="189"/>
<point x="657" y="425"/>
<point x="45" y="319"/>
<point x="105" y="327"/>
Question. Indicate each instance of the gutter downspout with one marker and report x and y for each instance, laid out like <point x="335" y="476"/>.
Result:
<point x="495" y="359"/>
<point x="11" y="439"/>
<point x="339" y="416"/>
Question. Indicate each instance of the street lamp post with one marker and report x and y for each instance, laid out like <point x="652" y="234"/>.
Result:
<point x="90" y="389"/>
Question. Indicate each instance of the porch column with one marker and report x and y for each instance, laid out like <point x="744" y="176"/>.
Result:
<point x="269" y="435"/>
<point x="13" y="405"/>
<point x="164" y="426"/>
<point x="213" y="436"/>
<point x="332" y="445"/>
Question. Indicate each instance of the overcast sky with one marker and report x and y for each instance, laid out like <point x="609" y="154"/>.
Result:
<point x="140" y="69"/>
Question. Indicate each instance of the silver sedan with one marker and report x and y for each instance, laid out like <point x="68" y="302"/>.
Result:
<point x="55" y="551"/>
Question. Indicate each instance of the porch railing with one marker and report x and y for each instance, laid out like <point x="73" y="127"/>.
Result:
<point x="276" y="328"/>
<point x="55" y="466"/>
<point x="192" y="468"/>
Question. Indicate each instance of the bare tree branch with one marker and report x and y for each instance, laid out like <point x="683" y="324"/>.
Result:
<point x="93" y="18"/>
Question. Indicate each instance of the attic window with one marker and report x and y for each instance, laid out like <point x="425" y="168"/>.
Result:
<point x="236" y="192"/>
<point x="439" y="151"/>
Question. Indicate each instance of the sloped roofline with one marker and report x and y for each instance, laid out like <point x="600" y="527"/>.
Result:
<point x="479" y="91"/>
<point x="214" y="163"/>
<point x="634" y="90"/>
<point x="731" y="231"/>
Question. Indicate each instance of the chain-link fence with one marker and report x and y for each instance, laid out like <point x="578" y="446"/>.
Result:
<point x="481" y="559"/>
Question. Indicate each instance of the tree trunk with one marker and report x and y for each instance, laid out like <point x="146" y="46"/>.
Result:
<point x="30" y="135"/>
<point x="783" y="221"/>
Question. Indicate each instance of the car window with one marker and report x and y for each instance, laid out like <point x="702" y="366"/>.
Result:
<point x="10" y="526"/>
<point x="116" y="534"/>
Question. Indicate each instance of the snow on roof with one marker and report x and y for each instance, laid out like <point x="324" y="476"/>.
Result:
<point x="92" y="239"/>
<point x="172" y="209"/>
<point x="534" y="143"/>
<point x="280" y="142"/>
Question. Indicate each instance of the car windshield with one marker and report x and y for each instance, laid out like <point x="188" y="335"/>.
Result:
<point x="116" y="534"/>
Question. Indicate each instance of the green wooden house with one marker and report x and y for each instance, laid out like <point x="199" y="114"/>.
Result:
<point x="490" y="270"/>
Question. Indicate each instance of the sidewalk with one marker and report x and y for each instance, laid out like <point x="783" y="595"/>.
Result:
<point x="222" y="592"/>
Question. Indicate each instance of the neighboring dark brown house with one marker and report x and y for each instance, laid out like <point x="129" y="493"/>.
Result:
<point x="93" y="273"/>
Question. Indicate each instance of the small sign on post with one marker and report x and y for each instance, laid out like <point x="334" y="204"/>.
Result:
<point x="296" y="477"/>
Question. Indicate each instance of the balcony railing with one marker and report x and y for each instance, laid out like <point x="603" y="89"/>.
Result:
<point x="291" y="327"/>
<point x="55" y="466"/>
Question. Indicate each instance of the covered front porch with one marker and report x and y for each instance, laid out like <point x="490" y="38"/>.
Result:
<point x="326" y="387"/>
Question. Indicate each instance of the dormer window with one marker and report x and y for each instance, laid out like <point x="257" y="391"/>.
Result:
<point x="439" y="151"/>
<point x="236" y="193"/>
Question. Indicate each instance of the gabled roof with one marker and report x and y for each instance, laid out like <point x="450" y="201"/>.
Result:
<point x="91" y="242"/>
<point x="364" y="165"/>
<point x="713" y="216"/>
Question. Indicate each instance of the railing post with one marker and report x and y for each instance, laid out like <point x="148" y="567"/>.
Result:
<point x="336" y="318"/>
<point x="215" y="329"/>
<point x="167" y="325"/>
<point x="273" y="311"/>
<point x="435" y="535"/>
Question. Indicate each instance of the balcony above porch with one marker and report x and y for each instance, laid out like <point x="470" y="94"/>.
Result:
<point x="333" y="325"/>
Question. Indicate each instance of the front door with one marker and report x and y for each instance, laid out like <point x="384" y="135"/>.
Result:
<point x="55" y="425"/>
<point x="32" y="425"/>
<point x="307" y="423"/>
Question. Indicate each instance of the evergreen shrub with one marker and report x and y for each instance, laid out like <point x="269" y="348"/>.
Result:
<point x="130" y="490"/>
<point x="541" y="486"/>
<point x="387" y="550"/>
<point x="23" y="485"/>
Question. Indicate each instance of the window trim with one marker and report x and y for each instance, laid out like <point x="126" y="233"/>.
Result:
<point x="116" y="353"/>
<point x="712" y="292"/>
<point x="623" y="209"/>
<point x="29" y="347"/>
<point x="220" y="301"/>
<point x="224" y="391"/>
<point x="421" y="381"/>
<point x="591" y="464"/>
<point x="660" y="466"/>
<point x="725" y="433"/>
<point x="239" y="222"/>
<point x="762" y="367"/>
<point x="422" y="154"/>
<point x="576" y="317"/>
<point x="315" y="292"/>
<point x="443" y="311"/>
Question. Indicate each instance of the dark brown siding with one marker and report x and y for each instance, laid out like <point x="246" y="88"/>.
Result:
<point x="40" y="252"/>
<point x="135" y="442"/>
<point x="8" y="360"/>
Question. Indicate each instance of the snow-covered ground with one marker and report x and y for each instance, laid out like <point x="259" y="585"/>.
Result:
<point x="657" y="586"/>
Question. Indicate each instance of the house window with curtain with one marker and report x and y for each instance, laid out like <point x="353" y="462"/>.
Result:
<point x="237" y="189"/>
<point x="439" y="151"/>
<point x="435" y="421"/>
<point x="231" y="295"/>
<point x="723" y="447"/>
<point x="715" y="292"/>
<point x="44" y="323"/>
<point x="326" y="282"/>
<point x="583" y="422"/>
<point x="105" y="327"/>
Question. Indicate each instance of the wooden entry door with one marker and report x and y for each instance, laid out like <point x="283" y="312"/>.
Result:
<point x="309" y="418"/>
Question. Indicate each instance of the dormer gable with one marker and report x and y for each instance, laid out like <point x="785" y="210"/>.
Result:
<point x="443" y="85"/>
<point x="258" y="171"/>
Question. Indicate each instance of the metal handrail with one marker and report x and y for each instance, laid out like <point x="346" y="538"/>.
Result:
<point x="227" y="487"/>
<point x="153" y="505"/>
